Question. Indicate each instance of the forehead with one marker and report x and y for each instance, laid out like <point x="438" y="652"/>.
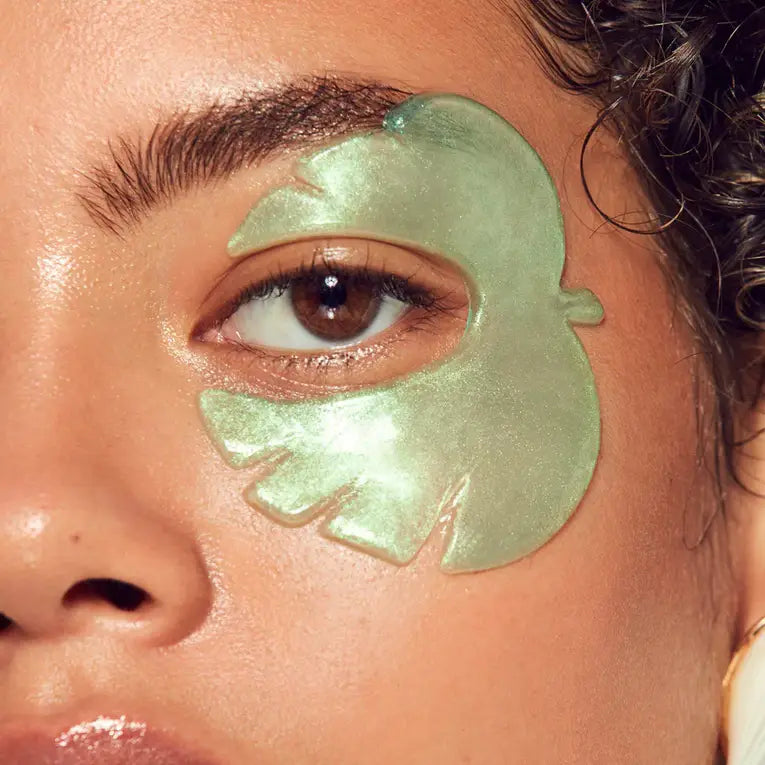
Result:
<point x="102" y="66"/>
<point x="112" y="38"/>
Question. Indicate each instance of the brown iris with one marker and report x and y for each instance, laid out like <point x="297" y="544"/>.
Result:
<point x="335" y="307"/>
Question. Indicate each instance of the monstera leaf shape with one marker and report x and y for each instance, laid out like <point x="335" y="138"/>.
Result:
<point x="504" y="433"/>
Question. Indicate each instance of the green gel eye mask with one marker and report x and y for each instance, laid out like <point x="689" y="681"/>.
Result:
<point x="502" y="435"/>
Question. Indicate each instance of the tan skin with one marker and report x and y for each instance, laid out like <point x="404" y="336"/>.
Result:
<point x="273" y="645"/>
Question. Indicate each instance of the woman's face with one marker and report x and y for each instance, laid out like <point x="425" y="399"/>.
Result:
<point x="256" y="642"/>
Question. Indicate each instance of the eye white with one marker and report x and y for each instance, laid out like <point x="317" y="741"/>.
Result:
<point x="270" y="322"/>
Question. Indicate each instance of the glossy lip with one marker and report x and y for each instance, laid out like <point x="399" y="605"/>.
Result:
<point x="104" y="740"/>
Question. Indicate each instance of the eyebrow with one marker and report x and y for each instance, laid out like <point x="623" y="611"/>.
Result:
<point x="194" y="148"/>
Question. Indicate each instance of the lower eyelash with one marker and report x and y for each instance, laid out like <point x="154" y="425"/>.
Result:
<point x="323" y="362"/>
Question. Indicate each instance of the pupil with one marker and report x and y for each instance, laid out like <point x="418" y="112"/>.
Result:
<point x="332" y="292"/>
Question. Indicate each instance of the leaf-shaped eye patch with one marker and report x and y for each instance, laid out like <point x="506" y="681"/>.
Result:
<point x="505" y="432"/>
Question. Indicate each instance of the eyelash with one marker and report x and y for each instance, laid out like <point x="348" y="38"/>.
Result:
<point x="383" y="283"/>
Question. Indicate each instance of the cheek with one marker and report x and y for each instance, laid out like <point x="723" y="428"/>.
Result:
<point x="597" y="632"/>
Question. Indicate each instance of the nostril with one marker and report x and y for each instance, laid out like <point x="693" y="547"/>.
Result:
<point x="121" y="595"/>
<point x="5" y="623"/>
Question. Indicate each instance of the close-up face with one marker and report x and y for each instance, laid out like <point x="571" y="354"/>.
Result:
<point x="337" y="425"/>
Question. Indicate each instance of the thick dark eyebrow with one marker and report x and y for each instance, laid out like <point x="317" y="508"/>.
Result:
<point x="193" y="148"/>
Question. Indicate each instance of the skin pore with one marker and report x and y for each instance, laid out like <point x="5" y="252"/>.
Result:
<point x="276" y="645"/>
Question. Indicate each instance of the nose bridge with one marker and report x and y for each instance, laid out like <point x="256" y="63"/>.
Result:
<point x="50" y="405"/>
<point x="67" y="353"/>
<point x="79" y="523"/>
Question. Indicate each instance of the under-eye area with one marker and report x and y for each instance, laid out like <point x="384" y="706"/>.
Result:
<point x="334" y="312"/>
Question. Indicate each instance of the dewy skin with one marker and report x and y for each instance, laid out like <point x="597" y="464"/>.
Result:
<point x="505" y="432"/>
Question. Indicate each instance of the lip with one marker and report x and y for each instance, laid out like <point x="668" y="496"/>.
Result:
<point x="104" y="740"/>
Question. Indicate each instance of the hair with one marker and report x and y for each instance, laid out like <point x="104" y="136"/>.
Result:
<point x="682" y="82"/>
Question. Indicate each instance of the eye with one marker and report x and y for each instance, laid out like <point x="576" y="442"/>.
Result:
<point x="351" y="312"/>
<point x="319" y="308"/>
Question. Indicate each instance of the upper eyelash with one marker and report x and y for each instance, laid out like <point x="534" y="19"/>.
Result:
<point x="404" y="288"/>
<point x="385" y="284"/>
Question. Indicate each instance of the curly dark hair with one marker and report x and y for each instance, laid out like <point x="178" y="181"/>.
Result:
<point x="683" y="84"/>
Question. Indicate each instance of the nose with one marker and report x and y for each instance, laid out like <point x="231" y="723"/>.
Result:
<point x="80" y="556"/>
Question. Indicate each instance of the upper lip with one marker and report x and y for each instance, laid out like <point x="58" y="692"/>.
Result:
<point x="102" y="741"/>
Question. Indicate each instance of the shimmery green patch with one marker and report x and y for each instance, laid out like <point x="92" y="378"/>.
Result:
<point x="505" y="431"/>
